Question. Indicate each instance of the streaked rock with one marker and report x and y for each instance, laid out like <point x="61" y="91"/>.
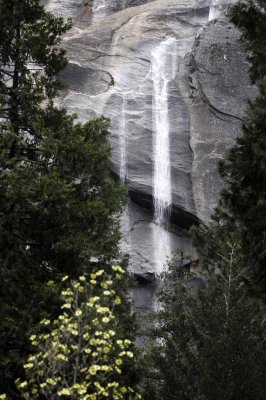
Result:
<point x="110" y="73"/>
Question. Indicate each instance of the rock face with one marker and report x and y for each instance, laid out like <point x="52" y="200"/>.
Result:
<point x="220" y="88"/>
<point x="110" y="73"/>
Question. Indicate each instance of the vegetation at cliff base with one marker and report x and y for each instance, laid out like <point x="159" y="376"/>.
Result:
<point x="208" y="340"/>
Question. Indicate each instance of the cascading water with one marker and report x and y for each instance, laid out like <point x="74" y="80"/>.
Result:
<point x="217" y="7"/>
<point x="123" y="137"/>
<point x="214" y="10"/>
<point x="162" y="72"/>
<point x="162" y="174"/>
<point x="124" y="220"/>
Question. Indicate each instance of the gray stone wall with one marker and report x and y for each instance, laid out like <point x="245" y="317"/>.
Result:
<point x="110" y="73"/>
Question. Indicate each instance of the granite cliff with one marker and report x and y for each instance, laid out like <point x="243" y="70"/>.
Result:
<point x="144" y="63"/>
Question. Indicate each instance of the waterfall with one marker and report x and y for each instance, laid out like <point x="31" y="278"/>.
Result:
<point x="214" y="10"/>
<point x="125" y="217"/>
<point x="162" y="171"/>
<point x="123" y="138"/>
<point x="162" y="72"/>
<point x="217" y="7"/>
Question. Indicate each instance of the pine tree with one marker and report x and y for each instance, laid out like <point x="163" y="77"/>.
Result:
<point x="58" y="201"/>
<point x="208" y="342"/>
<point x="243" y="200"/>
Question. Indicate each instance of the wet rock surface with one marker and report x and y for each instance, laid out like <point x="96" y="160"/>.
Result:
<point x="138" y="241"/>
<point x="110" y="73"/>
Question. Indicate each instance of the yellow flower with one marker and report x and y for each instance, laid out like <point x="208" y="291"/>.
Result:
<point x="86" y="335"/>
<point x="51" y="381"/>
<point x="113" y="384"/>
<point x="3" y="397"/>
<point x="117" y="268"/>
<point x="42" y="385"/>
<point x="66" y="305"/>
<point x="23" y="384"/>
<point x="118" y="361"/>
<point x="61" y="357"/>
<point x="106" y="368"/>
<point x="82" y="278"/>
<point x="93" y="369"/>
<point x="117" y="300"/>
<point x="28" y="366"/>
<point x="106" y="320"/>
<point x="64" y="392"/>
<point x="106" y="350"/>
<point x="82" y="390"/>
<point x="78" y="313"/>
<point x="45" y="322"/>
<point x="65" y="278"/>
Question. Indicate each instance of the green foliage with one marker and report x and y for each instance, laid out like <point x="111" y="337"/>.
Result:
<point x="30" y="60"/>
<point x="58" y="201"/>
<point x="250" y="17"/>
<point x="243" y="200"/>
<point x="208" y="342"/>
<point x="82" y="354"/>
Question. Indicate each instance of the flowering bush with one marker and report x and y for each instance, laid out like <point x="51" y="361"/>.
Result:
<point x="81" y="355"/>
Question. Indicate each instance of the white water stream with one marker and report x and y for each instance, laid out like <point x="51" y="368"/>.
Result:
<point x="163" y="62"/>
<point x="125" y="217"/>
<point x="217" y="7"/>
<point x="123" y="140"/>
